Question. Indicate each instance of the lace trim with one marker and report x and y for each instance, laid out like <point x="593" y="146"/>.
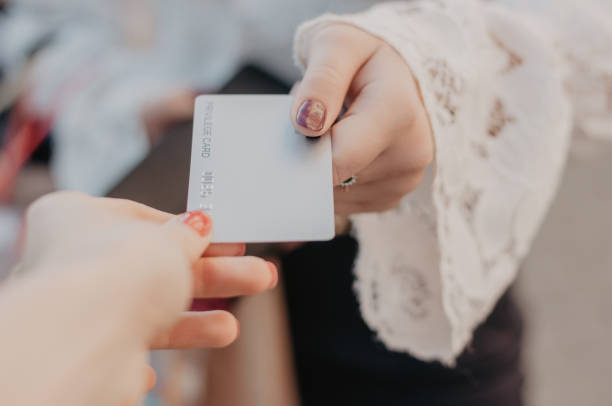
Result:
<point x="499" y="154"/>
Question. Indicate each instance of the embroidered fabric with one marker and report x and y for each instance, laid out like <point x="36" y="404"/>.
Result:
<point x="586" y="37"/>
<point x="497" y="85"/>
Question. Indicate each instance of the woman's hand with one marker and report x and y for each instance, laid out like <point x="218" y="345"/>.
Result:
<point x="384" y="139"/>
<point x="107" y="280"/>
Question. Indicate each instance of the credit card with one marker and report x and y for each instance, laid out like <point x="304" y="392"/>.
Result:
<point x="258" y="178"/>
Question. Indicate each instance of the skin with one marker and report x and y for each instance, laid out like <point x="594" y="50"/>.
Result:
<point x="103" y="281"/>
<point x="385" y="136"/>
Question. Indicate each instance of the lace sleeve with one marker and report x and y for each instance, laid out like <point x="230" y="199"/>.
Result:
<point x="492" y="80"/>
<point x="585" y="36"/>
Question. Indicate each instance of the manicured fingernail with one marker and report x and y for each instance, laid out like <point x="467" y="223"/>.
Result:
<point x="311" y="115"/>
<point x="274" y="274"/>
<point x="197" y="220"/>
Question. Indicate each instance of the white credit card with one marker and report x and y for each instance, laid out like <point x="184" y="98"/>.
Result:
<point x="258" y="178"/>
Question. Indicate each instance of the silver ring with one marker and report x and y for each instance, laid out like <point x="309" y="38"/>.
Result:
<point x="349" y="182"/>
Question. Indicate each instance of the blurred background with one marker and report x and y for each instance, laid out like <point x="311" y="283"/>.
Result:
<point x="81" y="110"/>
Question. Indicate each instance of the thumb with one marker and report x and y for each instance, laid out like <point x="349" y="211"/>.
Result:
<point x="333" y="55"/>
<point x="181" y="242"/>
<point x="193" y="231"/>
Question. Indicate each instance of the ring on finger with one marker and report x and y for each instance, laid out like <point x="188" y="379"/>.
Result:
<point x="348" y="183"/>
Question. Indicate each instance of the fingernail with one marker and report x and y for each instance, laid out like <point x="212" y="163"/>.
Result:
<point x="237" y="329"/>
<point x="274" y="274"/>
<point x="197" y="220"/>
<point x="311" y="115"/>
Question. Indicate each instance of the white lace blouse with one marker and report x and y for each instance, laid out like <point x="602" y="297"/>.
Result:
<point x="504" y="91"/>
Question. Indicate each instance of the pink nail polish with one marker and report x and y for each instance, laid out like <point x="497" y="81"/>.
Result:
<point x="311" y="115"/>
<point x="199" y="221"/>
<point x="274" y="274"/>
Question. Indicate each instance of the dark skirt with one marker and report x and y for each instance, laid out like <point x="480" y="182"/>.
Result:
<point x="340" y="362"/>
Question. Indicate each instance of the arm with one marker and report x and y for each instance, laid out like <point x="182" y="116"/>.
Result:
<point x="102" y="282"/>
<point x="493" y="84"/>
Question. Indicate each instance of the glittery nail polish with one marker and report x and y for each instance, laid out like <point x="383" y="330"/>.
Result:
<point x="311" y="115"/>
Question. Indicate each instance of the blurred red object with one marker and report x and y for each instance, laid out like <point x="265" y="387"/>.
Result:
<point x="24" y="133"/>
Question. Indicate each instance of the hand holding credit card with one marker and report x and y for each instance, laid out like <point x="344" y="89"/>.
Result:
<point x="258" y="178"/>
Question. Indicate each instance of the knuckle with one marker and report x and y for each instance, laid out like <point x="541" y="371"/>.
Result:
<point x="325" y="74"/>
<point x="343" y="35"/>
<point x="333" y="33"/>
<point x="49" y="202"/>
<point x="417" y="149"/>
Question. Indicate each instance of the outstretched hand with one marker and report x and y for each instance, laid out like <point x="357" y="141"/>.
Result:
<point x="110" y="279"/>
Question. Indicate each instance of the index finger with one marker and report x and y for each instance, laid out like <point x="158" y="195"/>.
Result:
<point x="147" y="213"/>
